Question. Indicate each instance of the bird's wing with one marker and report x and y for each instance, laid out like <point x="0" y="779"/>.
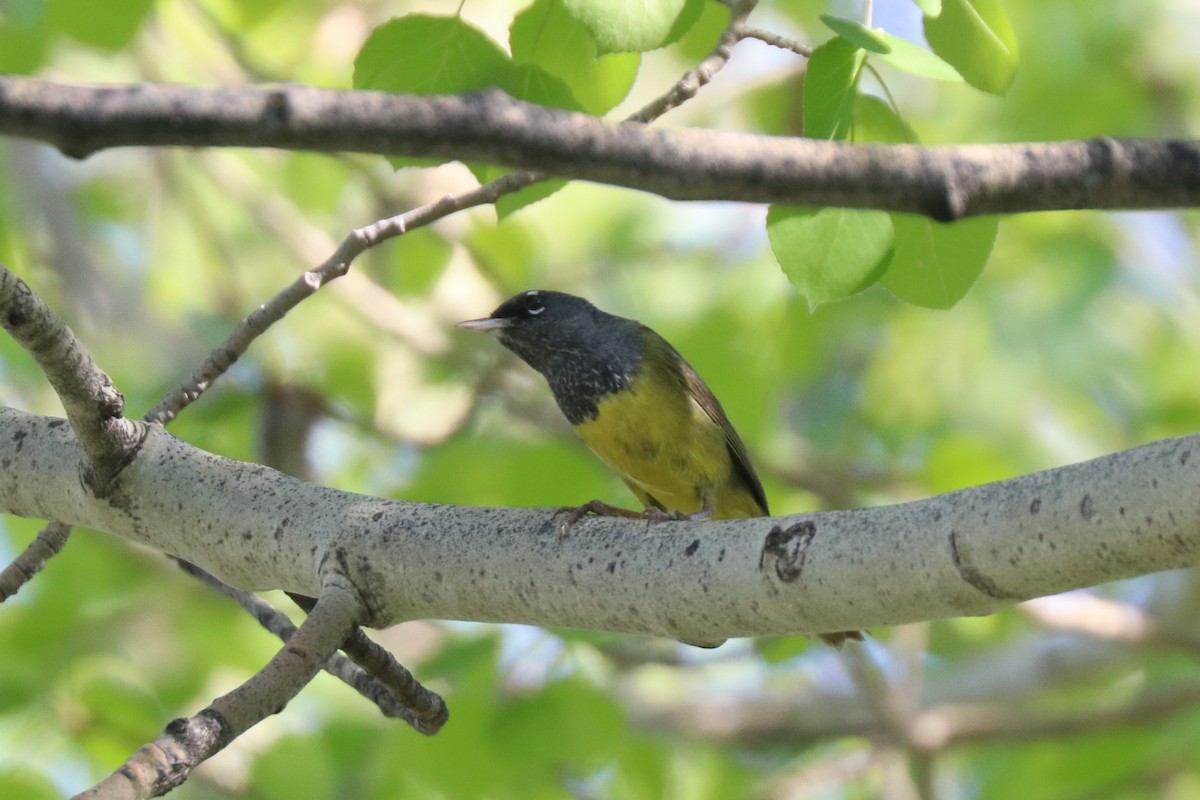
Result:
<point x="737" y="449"/>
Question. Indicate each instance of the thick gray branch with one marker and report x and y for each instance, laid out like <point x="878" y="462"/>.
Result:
<point x="968" y="552"/>
<point x="941" y="182"/>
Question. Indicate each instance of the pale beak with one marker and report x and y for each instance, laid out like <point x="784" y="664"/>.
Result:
<point x="485" y="325"/>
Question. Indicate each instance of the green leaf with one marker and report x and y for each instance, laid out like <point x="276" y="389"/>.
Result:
<point x="876" y="121"/>
<point x="295" y="768"/>
<point x="830" y="86"/>
<point x="930" y="8"/>
<point x="547" y="36"/>
<point x="705" y="32"/>
<point x="23" y="37"/>
<point x="415" y="262"/>
<point x="907" y="56"/>
<point x="976" y="38"/>
<point x="857" y="34"/>
<point x="966" y="459"/>
<point x="777" y="649"/>
<point x="109" y="25"/>
<point x="635" y="25"/>
<point x="532" y="83"/>
<point x="506" y="253"/>
<point x="510" y="203"/>
<point x="421" y="54"/>
<point x="829" y="253"/>
<point x="567" y="721"/>
<point x="23" y="782"/>
<point x="934" y="264"/>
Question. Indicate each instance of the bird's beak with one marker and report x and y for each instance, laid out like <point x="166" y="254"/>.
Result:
<point x="485" y="325"/>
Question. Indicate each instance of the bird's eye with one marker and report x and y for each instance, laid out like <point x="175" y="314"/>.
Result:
<point x="533" y="304"/>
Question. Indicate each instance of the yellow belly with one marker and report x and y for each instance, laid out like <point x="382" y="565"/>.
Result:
<point x="668" y="450"/>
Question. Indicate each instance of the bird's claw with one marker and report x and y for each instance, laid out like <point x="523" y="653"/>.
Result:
<point x="601" y="509"/>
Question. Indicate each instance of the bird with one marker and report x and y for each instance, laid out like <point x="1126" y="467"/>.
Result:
<point x="638" y="405"/>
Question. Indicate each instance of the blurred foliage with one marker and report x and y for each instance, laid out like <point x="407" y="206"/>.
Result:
<point x="1063" y="336"/>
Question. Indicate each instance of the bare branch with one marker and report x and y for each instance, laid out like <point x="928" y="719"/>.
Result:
<point x="969" y="552"/>
<point x="395" y="691"/>
<point x="424" y="710"/>
<point x="776" y="40"/>
<point x="164" y="764"/>
<point x="945" y="183"/>
<point x="47" y="544"/>
<point x="695" y="79"/>
<point x="92" y="403"/>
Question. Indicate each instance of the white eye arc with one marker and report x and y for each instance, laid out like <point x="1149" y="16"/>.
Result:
<point x="531" y="298"/>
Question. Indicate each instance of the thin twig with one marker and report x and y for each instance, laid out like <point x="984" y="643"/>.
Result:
<point x="164" y="764"/>
<point x="47" y="544"/>
<point x="695" y="79"/>
<point x="776" y="40"/>
<point x="382" y="674"/>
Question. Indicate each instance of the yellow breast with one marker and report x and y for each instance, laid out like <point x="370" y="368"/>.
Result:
<point x="667" y="448"/>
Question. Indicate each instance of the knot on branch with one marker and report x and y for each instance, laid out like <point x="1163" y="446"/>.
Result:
<point x="788" y="549"/>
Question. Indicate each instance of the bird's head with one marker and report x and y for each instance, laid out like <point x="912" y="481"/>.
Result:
<point x="542" y="326"/>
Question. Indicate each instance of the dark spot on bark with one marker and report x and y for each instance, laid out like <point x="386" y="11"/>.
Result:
<point x="58" y="423"/>
<point x="276" y="109"/>
<point x="972" y="574"/>
<point x="612" y="567"/>
<point x="721" y="555"/>
<point x="247" y="536"/>
<point x="1036" y="506"/>
<point x="1087" y="509"/>
<point x="378" y="515"/>
<point x="691" y="549"/>
<point x="19" y="438"/>
<point x="788" y="547"/>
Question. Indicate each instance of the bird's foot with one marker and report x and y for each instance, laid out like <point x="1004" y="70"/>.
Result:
<point x="572" y="514"/>
<point x="599" y="508"/>
<point x="840" y="638"/>
<point x="658" y="515"/>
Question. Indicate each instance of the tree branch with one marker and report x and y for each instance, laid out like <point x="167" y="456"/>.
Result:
<point x="92" y="403"/>
<point x="945" y="183"/>
<point x="47" y="544"/>
<point x="968" y="552"/>
<point x="163" y="765"/>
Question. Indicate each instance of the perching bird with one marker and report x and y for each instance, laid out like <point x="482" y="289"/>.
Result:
<point x="634" y="401"/>
<point x="637" y="404"/>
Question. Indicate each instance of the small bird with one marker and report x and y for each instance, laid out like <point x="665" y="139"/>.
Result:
<point x="638" y="405"/>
